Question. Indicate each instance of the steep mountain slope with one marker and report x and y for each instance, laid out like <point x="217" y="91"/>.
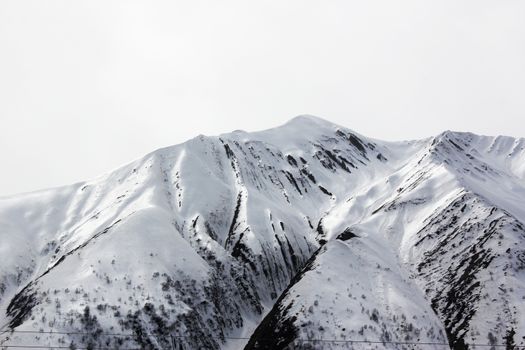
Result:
<point x="303" y="232"/>
<point x="361" y="294"/>
<point x="463" y="251"/>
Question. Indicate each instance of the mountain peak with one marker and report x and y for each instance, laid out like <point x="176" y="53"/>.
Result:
<point x="306" y="121"/>
<point x="309" y="119"/>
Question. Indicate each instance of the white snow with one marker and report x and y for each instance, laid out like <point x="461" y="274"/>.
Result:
<point x="214" y="229"/>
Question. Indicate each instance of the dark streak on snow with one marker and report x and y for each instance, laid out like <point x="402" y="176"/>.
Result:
<point x="234" y="219"/>
<point x="346" y="235"/>
<point x="290" y="178"/>
<point x="325" y="191"/>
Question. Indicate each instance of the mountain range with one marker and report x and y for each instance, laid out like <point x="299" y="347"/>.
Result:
<point x="305" y="236"/>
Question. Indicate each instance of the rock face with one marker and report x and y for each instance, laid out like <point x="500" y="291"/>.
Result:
<point x="306" y="236"/>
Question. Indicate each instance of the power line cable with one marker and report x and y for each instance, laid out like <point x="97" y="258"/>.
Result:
<point x="321" y="340"/>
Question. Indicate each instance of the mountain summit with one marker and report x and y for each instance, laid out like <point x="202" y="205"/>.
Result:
<point x="305" y="236"/>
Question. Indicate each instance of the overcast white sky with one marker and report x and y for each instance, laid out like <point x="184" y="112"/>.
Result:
<point x="86" y="86"/>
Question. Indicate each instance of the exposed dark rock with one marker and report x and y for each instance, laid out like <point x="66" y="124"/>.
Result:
<point x="346" y="235"/>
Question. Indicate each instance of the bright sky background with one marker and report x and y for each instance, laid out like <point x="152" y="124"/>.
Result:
<point x="86" y="86"/>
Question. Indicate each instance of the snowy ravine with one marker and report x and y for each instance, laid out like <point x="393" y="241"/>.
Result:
<point x="305" y="236"/>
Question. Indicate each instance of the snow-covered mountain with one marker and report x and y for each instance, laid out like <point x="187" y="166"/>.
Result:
<point x="305" y="236"/>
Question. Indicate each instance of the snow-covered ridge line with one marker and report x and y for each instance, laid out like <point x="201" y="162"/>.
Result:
<point x="217" y="232"/>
